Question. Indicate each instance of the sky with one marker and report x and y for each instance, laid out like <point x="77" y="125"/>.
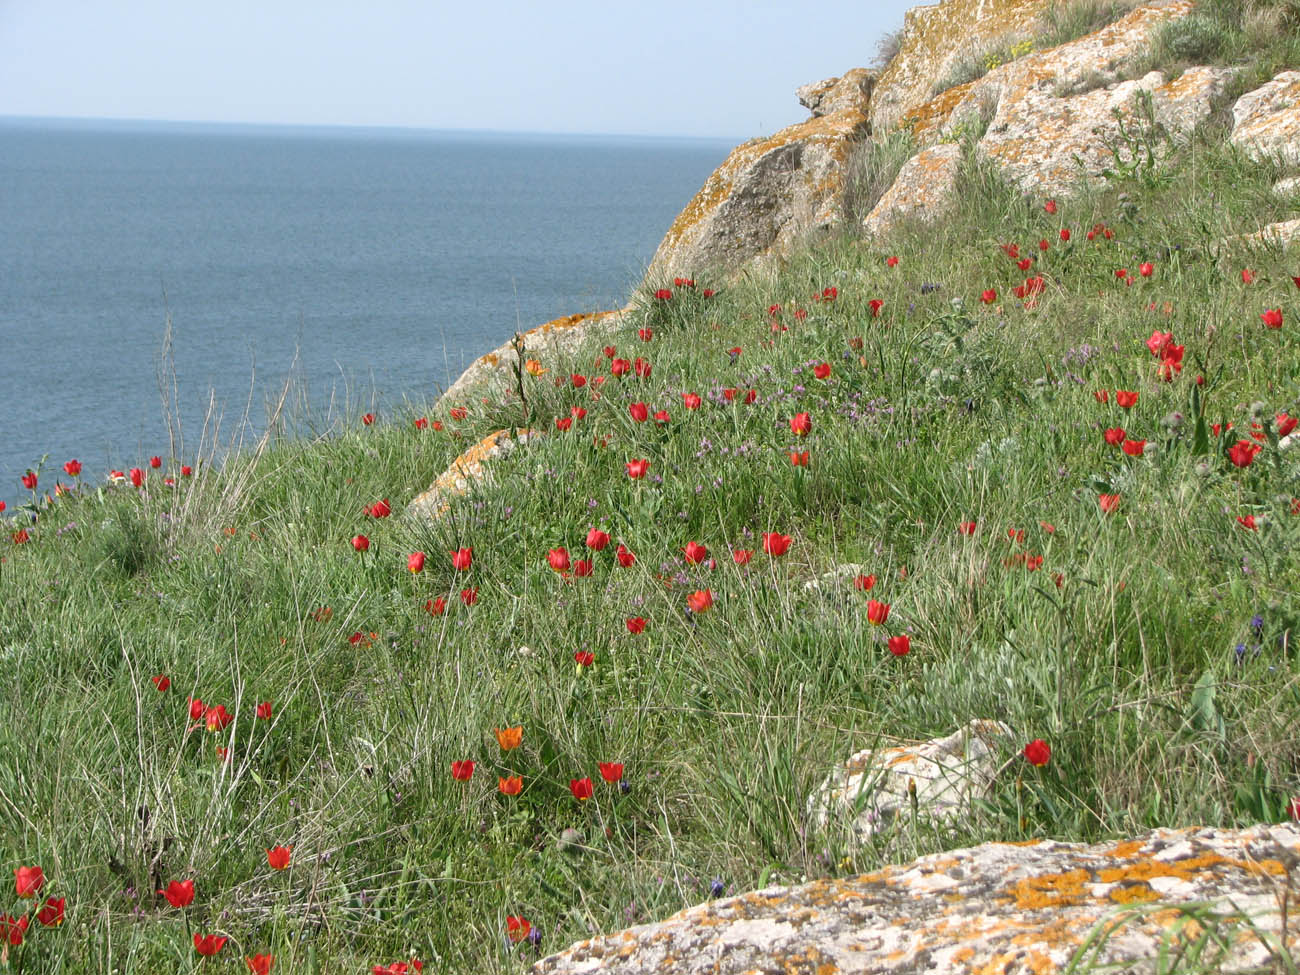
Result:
<point x="713" y="68"/>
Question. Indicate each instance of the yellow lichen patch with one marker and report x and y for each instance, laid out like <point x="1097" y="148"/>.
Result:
<point x="1050" y="890"/>
<point x="1186" y="869"/>
<point x="1126" y="849"/>
<point x="491" y="359"/>
<point x="963" y="954"/>
<point x="1139" y="893"/>
<point x="927" y="120"/>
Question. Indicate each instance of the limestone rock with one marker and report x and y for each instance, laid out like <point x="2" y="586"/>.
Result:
<point x="875" y="786"/>
<point x="1282" y="235"/>
<point x="764" y="196"/>
<point x="466" y="470"/>
<point x="935" y="40"/>
<point x="923" y="187"/>
<point x="1266" y="121"/>
<point x="850" y="90"/>
<point x="491" y="374"/>
<point x="1287" y="187"/>
<point x="1009" y="908"/>
<point x="837" y="578"/>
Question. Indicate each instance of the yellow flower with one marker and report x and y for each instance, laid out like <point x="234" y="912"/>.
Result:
<point x="509" y="738"/>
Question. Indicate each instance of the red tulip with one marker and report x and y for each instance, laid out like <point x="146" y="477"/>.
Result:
<point x="1037" y="752"/>
<point x="864" y="583"/>
<point x="360" y="542"/>
<point x="1114" y="436"/>
<point x="584" y="658"/>
<point x="469" y="596"/>
<point x="750" y="396"/>
<point x="799" y="459"/>
<point x="967" y="528"/>
<point x="179" y="893"/>
<point x="695" y="553"/>
<point x="517" y="928"/>
<point x="462" y="770"/>
<point x="1248" y="522"/>
<point x="278" y="857"/>
<point x="1272" y="318"/>
<point x="597" y="540"/>
<point x="662" y="417"/>
<point x="161" y="681"/>
<point x="380" y="509"/>
<point x="511" y="785"/>
<point x="1044" y="244"/>
<point x="645" y="335"/>
<point x="558" y="559"/>
<point x="563" y="423"/>
<point x="137" y="477"/>
<point x="625" y="557"/>
<point x="901" y="645"/>
<point x="691" y="401"/>
<point x="155" y="462"/>
<point x="29" y="480"/>
<point x="28" y="880"/>
<point x="259" y="964"/>
<point x="1050" y="206"/>
<point x="620" y="367"/>
<point x="775" y="544"/>
<point x="801" y="424"/>
<point x="1134" y="448"/>
<point x="582" y="568"/>
<point x="435" y="607"/>
<point x="741" y="556"/>
<point x="186" y="470"/>
<point x="700" y="601"/>
<point x="636" y="624"/>
<point x="462" y="559"/>
<point x="639" y="412"/>
<point x="822" y="370"/>
<point x="197" y="709"/>
<point x="1285" y="424"/>
<point x="73" y="467"/>
<point x="1243" y="452"/>
<point x="578" y="380"/>
<point x="209" y="944"/>
<point x="421" y="423"/>
<point x="264" y="711"/>
<point x="1125" y="398"/>
<point x="729" y="394"/>
<point x="217" y="718"/>
<point x="415" y="562"/>
<point x="1108" y="502"/>
<point x="12" y="929"/>
<point x="989" y="296"/>
<point x="368" y="418"/>
<point x="458" y="412"/>
<point x="637" y="468"/>
<point x="1247" y="276"/>
<point x="877" y="613"/>
<point x="1025" y="264"/>
<point x="51" y="915"/>
<point x="875" y="304"/>
<point x="611" y="772"/>
<point x="1146" y="268"/>
<point x="663" y="294"/>
<point x="1121" y="272"/>
<point x="1065" y="233"/>
<point x="891" y="261"/>
<point x="581" y="789"/>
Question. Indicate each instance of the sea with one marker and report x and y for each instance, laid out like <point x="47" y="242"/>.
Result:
<point x="152" y="270"/>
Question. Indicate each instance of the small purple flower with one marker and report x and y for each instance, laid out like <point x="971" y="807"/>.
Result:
<point x="717" y="888"/>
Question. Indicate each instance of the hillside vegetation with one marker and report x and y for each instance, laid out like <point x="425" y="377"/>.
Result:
<point x="1059" y="465"/>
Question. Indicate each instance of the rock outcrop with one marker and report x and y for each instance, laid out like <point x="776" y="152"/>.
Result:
<point x="937" y="780"/>
<point x="1266" y="121"/>
<point x="465" y="471"/>
<point x="765" y="196"/>
<point x="1005" y="908"/>
<point x="851" y="90"/>
<point x="923" y="188"/>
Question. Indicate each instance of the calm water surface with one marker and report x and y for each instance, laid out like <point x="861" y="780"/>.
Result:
<point x="386" y="260"/>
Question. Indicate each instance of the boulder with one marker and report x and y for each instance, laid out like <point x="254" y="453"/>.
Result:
<point x="937" y="38"/>
<point x="765" y="196"/>
<point x="923" y="187"/>
<point x="850" y="90"/>
<point x="492" y="374"/>
<point x="1024" y="908"/>
<point x="1282" y="235"/>
<point x="465" y="471"/>
<point x="939" y="779"/>
<point x="1266" y="121"/>
<point x="1287" y="187"/>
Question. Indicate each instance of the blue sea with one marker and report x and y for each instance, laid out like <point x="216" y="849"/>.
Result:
<point x="373" y="265"/>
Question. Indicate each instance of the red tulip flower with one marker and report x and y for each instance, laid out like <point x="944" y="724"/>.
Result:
<point x="1025" y="264"/>
<point x="700" y="601"/>
<point x="563" y="423"/>
<point x="517" y="928"/>
<point x="435" y="607"/>
<point x="28" y="880"/>
<point x="415" y="562"/>
<point x="161" y="681"/>
<point x="639" y="412"/>
<point x="558" y="559"/>
<point x="1272" y="318"/>
<point x="1247" y="276"/>
<point x="462" y="559"/>
<point x="217" y="718"/>
<point x="641" y="366"/>
<point x="209" y="944"/>
<point x="741" y="556"/>
<point x="264" y="711"/>
<point x="625" y="557"/>
<point x="1146" y="269"/>
<point x="458" y="412"/>
<point x="1108" y="502"/>
<point x="462" y="770"/>
<point x="582" y="568"/>
<point x="137" y="477"/>
<point x="421" y="423"/>
<point x="380" y="509"/>
<point x="801" y="424"/>
<point x="620" y="367"/>
<point x="186" y="470"/>
<point x="662" y="417"/>
<point x="259" y="964"/>
<point x="29" y="480"/>
<point x="511" y="785"/>
<point x="637" y="468"/>
<point x="695" y="553"/>
<point x="775" y="544"/>
<point x="73" y="467"/>
<point x="368" y="418"/>
<point x="360" y="542"/>
<point x="51" y="915"/>
<point x="691" y="401"/>
<point x="12" y="929"/>
<point x="584" y="658"/>
<point x="1248" y="522"/>
<point x="278" y="857"/>
<point x="179" y="893"/>
<point x="1114" y="436"/>
<point x="611" y="772"/>
<point x="864" y="583"/>
<point x="1050" y="206"/>
<point x="1065" y="233"/>
<point x="469" y="596"/>
<point x="197" y="709"/>
<point x="1037" y="752"/>
<point x="750" y="396"/>
<point x="636" y="624"/>
<point x="799" y="458"/>
<point x="875" y="304"/>
<point x="1134" y="448"/>
<point x="155" y="462"/>
<point x="663" y="294"/>
<point x="891" y="261"/>
<point x="1125" y="399"/>
<point x="1243" y="452"/>
<point x="581" y="789"/>
<point x="877" y="612"/>
<point x="822" y="370"/>
<point x="967" y="528"/>
<point x="989" y="296"/>
<point x="900" y="646"/>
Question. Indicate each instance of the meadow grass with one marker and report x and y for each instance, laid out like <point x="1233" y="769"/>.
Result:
<point x="1150" y="646"/>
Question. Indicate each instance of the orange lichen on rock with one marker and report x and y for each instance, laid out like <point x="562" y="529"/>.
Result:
<point x="466" y="468"/>
<point x="1050" y="890"/>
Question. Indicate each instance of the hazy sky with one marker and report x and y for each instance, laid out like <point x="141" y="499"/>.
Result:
<point x="677" y="67"/>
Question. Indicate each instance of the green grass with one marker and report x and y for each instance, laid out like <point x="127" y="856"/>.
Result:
<point x="1118" y="650"/>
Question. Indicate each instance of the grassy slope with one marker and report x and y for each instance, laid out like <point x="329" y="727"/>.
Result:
<point x="940" y="410"/>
